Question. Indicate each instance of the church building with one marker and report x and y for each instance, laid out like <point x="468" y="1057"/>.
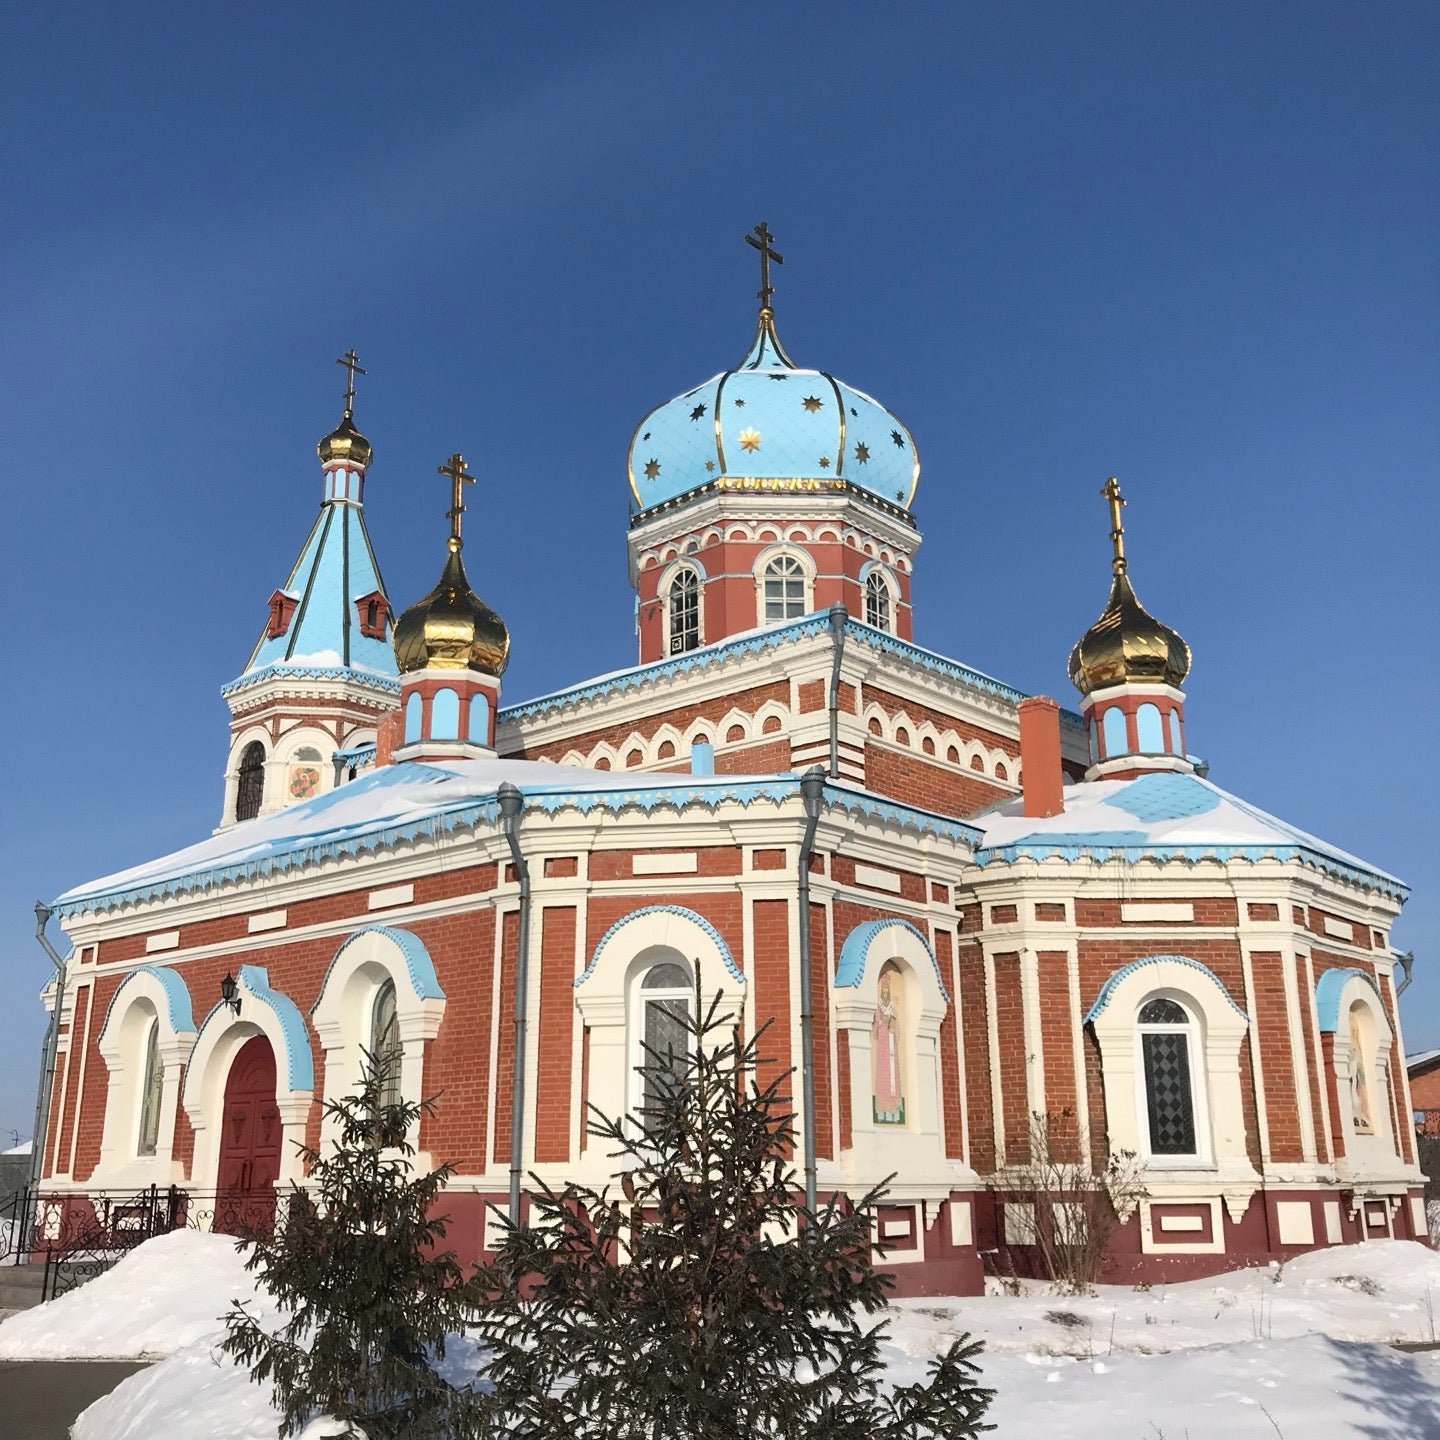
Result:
<point x="990" y="935"/>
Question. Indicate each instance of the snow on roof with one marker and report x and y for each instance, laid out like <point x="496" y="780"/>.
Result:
<point x="414" y="800"/>
<point x="1421" y="1058"/>
<point x="24" y="1148"/>
<point x="1163" y="816"/>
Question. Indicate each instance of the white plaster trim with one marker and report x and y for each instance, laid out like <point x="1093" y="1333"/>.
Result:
<point x="1150" y="912"/>
<point x="1339" y="929"/>
<point x="873" y="879"/>
<point x="266" y="920"/>
<point x="674" y="862"/>
<point x="1295" y="1222"/>
<point x="1175" y="1223"/>
<point x="1150" y="1246"/>
<point x="393" y="895"/>
<point x="165" y="940"/>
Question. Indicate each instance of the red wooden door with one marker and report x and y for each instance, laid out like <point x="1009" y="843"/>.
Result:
<point x="250" y="1142"/>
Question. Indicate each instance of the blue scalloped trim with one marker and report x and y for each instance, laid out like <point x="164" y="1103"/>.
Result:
<point x="855" y="952"/>
<point x="1327" y="994"/>
<point x="310" y="672"/>
<point x="715" y="936"/>
<point x="177" y="997"/>
<point x="1107" y="990"/>
<point x="418" y="964"/>
<point x="1078" y="847"/>
<point x="299" y="1066"/>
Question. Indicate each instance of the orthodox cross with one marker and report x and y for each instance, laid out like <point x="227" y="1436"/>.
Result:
<point x="1111" y="491"/>
<point x="351" y="361"/>
<point x="459" y="476"/>
<point x="761" y="241"/>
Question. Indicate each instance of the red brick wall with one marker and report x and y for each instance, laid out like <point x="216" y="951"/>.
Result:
<point x="820" y="972"/>
<point x="771" y="952"/>
<point x="953" y="1124"/>
<point x="1276" y="1058"/>
<point x="556" y="1022"/>
<point x="1010" y="1025"/>
<point x="1057" y="1041"/>
<point x="505" y="1036"/>
<point x="928" y="784"/>
<point x="975" y="1036"/>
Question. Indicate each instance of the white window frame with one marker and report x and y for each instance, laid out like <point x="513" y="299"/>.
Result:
<point x="668" y="581"/>
<point x="1193" y="1030"/>
<point x="805" y="564"/>
<point x="880" y="579"/>
<point x="152" y="1082"/>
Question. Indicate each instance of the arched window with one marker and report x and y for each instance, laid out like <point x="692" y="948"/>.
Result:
<point x="478" y="729"/>
<point x="784" y="589"/>
<point x="1117" y="740"/>
<point x="385" y="1044"/>
<point x="682" y="609"/>
<point x="1166" y="1031"/>
<point x="152" y="1086"/>
<point x="661" y="1032"/>
<point x="1148" y="729"/>
<point x="877" y="600"/>
<point x="414" y="710"/>
<point x="445" y="715"/>
<point x="251" y="787"/>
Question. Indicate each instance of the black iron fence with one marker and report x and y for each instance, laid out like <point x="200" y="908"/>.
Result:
<point x="76" y="1235"/>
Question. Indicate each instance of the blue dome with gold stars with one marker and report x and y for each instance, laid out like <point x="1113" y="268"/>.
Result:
<point x="769" y="425"/>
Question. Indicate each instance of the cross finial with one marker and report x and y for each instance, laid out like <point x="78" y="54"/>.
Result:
<point x="351" y="361"/>
<point x="761" y="241"/>
<point x="1111" y="491"/>
<point x="459" y="476"/>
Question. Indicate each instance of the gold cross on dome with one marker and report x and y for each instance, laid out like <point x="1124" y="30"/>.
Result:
<point x="351" y="361"/>
<point x="459" y="476"/>
<point x="1111" y="491"/>
<point x="761" y="241"/>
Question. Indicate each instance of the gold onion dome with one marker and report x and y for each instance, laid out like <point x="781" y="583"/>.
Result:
<point x="1127" y="643"/>
<point x="347" y="444"/>
<point x="452" y="628"/>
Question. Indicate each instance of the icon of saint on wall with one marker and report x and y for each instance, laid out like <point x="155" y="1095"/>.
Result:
<point x="1359" y="1077"/>
<point x="885" y="1032"/>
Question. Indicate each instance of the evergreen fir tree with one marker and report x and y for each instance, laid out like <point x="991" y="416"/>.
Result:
<point x="702" y="1303"/>
<point x="367" y="1294"/>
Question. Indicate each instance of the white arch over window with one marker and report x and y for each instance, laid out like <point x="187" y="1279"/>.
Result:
<point x="627" y="951"/>
<point x="892" y="953"/>
<point x="344" y="1012"/>
<point x="784" y="584"/>
<point x="151" y="1004"/>
<point x="1351" y="1013"/>
<point x="1218" y="1026"/>
<point x="263" y="1011"/>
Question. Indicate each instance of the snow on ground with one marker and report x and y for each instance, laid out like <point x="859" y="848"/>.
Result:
<point x="1294" y="1349"/>
<point x="167" y="1293"/>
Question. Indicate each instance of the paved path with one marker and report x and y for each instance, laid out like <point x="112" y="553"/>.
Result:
<point x="39" y="1399"/>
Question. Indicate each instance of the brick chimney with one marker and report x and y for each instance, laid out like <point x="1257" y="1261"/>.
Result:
<point x="1041" y="779"/>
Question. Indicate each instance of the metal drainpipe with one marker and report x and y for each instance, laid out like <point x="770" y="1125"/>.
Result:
<point x="1406" y="963"/>
<point x="49" y="1049"/>
<point x="812" y="789"/>
<point x="838" y="616"/>
<point x="512" y="803"/>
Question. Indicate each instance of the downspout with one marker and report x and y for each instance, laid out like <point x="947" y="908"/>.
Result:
<point x="1406" y="963"/>
<point x="49" y="1049"/>
<point x="512" y="803"/>
<point x="812" y="789"/>
<point x="838" y="616"/>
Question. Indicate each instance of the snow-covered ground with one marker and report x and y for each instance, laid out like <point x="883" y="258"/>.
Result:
<point x="1295" y="1350"/>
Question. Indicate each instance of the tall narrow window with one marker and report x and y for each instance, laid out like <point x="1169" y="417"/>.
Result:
<point x="683" y="603"/>
<point x="1165" y="1035"/>
<point x="784" y="589"/>
<point x="251" y="787"/>
<point x="663" y="1030"/>
<point x="877" y="601"/>
<point x="385" y="1043"/>
<point x="152" y="1085"/>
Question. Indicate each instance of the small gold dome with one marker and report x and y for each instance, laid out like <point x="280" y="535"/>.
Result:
<point x="452" y="628"/>
<point x="345" y="443"/>
<point x="1127" y="643"/>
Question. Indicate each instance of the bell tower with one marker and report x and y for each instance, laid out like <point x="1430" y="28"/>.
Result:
<point x="305" y="709"/>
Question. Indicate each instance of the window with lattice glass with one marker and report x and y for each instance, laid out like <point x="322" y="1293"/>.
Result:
<point x="877" y="601"/>
<point x="250" y="788"/>
<point x="1166" y="1034"/>
<point x="385" y="1043"/>
<point x="663" y="1034"/>
<point x="684" y="611"/>
<point x="152" y="1088"/>
<point x="784" y="589"/>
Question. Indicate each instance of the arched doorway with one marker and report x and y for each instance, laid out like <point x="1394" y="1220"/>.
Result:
<point x="251" y="1135"/>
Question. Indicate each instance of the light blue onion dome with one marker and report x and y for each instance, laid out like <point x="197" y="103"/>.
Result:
<point x="769" y="425"/>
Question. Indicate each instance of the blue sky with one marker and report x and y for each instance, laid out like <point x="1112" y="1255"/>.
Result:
<point x="1190" y="245"/>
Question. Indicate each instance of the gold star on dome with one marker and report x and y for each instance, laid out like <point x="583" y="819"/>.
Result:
<point x="740" y="403"/>
<point x="749" y="439"/>
<point x="697" y="412"/>
<point x="652" y="469"/>
<point x="710" y="466"/>
<point x="862" y="453"/>
<point x="824" y="462"/>
<point x="812" y="403"/>
<point x="899" y="439"/>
